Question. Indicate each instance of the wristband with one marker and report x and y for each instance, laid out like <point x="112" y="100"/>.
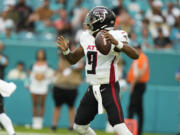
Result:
<point x="120" y="45"/>
<point x="66" y="52"/>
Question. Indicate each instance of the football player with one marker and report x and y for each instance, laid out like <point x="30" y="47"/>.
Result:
<point x="6" y="89"/>
<point x="101" y="71"/>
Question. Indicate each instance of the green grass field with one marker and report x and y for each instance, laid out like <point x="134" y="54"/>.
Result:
<point x="47" y="131"/>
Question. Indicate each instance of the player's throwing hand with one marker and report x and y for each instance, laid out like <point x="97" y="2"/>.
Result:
<point x="62" y="44"/>
<point x="108" y="36"/>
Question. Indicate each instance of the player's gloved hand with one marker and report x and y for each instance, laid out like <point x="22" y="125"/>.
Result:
<point x="108" y="36"/>
<point x="63" y="45"/>
<point x="6" y="88"/>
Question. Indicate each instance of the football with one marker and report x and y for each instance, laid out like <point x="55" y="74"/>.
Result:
<point x="102" y="45"/>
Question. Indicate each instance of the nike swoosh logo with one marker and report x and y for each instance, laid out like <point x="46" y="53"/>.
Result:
<point x="103" y="89"/>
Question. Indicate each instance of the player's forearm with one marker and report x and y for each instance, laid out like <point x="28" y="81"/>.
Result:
<point x="74" y="56"/>
<point x="130" y="51"/>
<point x="71" y="58"/>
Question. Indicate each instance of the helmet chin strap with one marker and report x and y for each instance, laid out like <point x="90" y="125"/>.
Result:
<point x="109" y="28"/>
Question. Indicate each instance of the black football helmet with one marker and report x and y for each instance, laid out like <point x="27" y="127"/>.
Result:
<point x="100" y="18"/>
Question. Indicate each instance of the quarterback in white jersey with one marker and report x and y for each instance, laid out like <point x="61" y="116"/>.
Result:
<point x="101" y="71"/>
<point x="98" y="67"/>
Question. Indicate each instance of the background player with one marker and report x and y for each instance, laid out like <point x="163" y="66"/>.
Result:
<point x="101" y="71"/>
<point x="4" y="119"/>
<point x="138" y="77"/>
<point x="6" y="89"/>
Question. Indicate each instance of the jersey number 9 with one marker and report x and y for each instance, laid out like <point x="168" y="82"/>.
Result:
<point x="92" y="60"/>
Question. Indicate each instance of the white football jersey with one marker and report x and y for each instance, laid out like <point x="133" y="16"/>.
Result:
<point x="101" y="69"/>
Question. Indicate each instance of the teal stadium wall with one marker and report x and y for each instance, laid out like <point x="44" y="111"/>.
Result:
<point x="160" y="100"/>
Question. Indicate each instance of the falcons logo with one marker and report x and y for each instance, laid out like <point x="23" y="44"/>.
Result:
<point x="101" y="14"/>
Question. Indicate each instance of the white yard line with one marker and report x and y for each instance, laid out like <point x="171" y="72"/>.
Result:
<point x="25" y="133"/>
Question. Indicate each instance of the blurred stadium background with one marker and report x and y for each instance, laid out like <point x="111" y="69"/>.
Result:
<point x="161" y="97"/>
